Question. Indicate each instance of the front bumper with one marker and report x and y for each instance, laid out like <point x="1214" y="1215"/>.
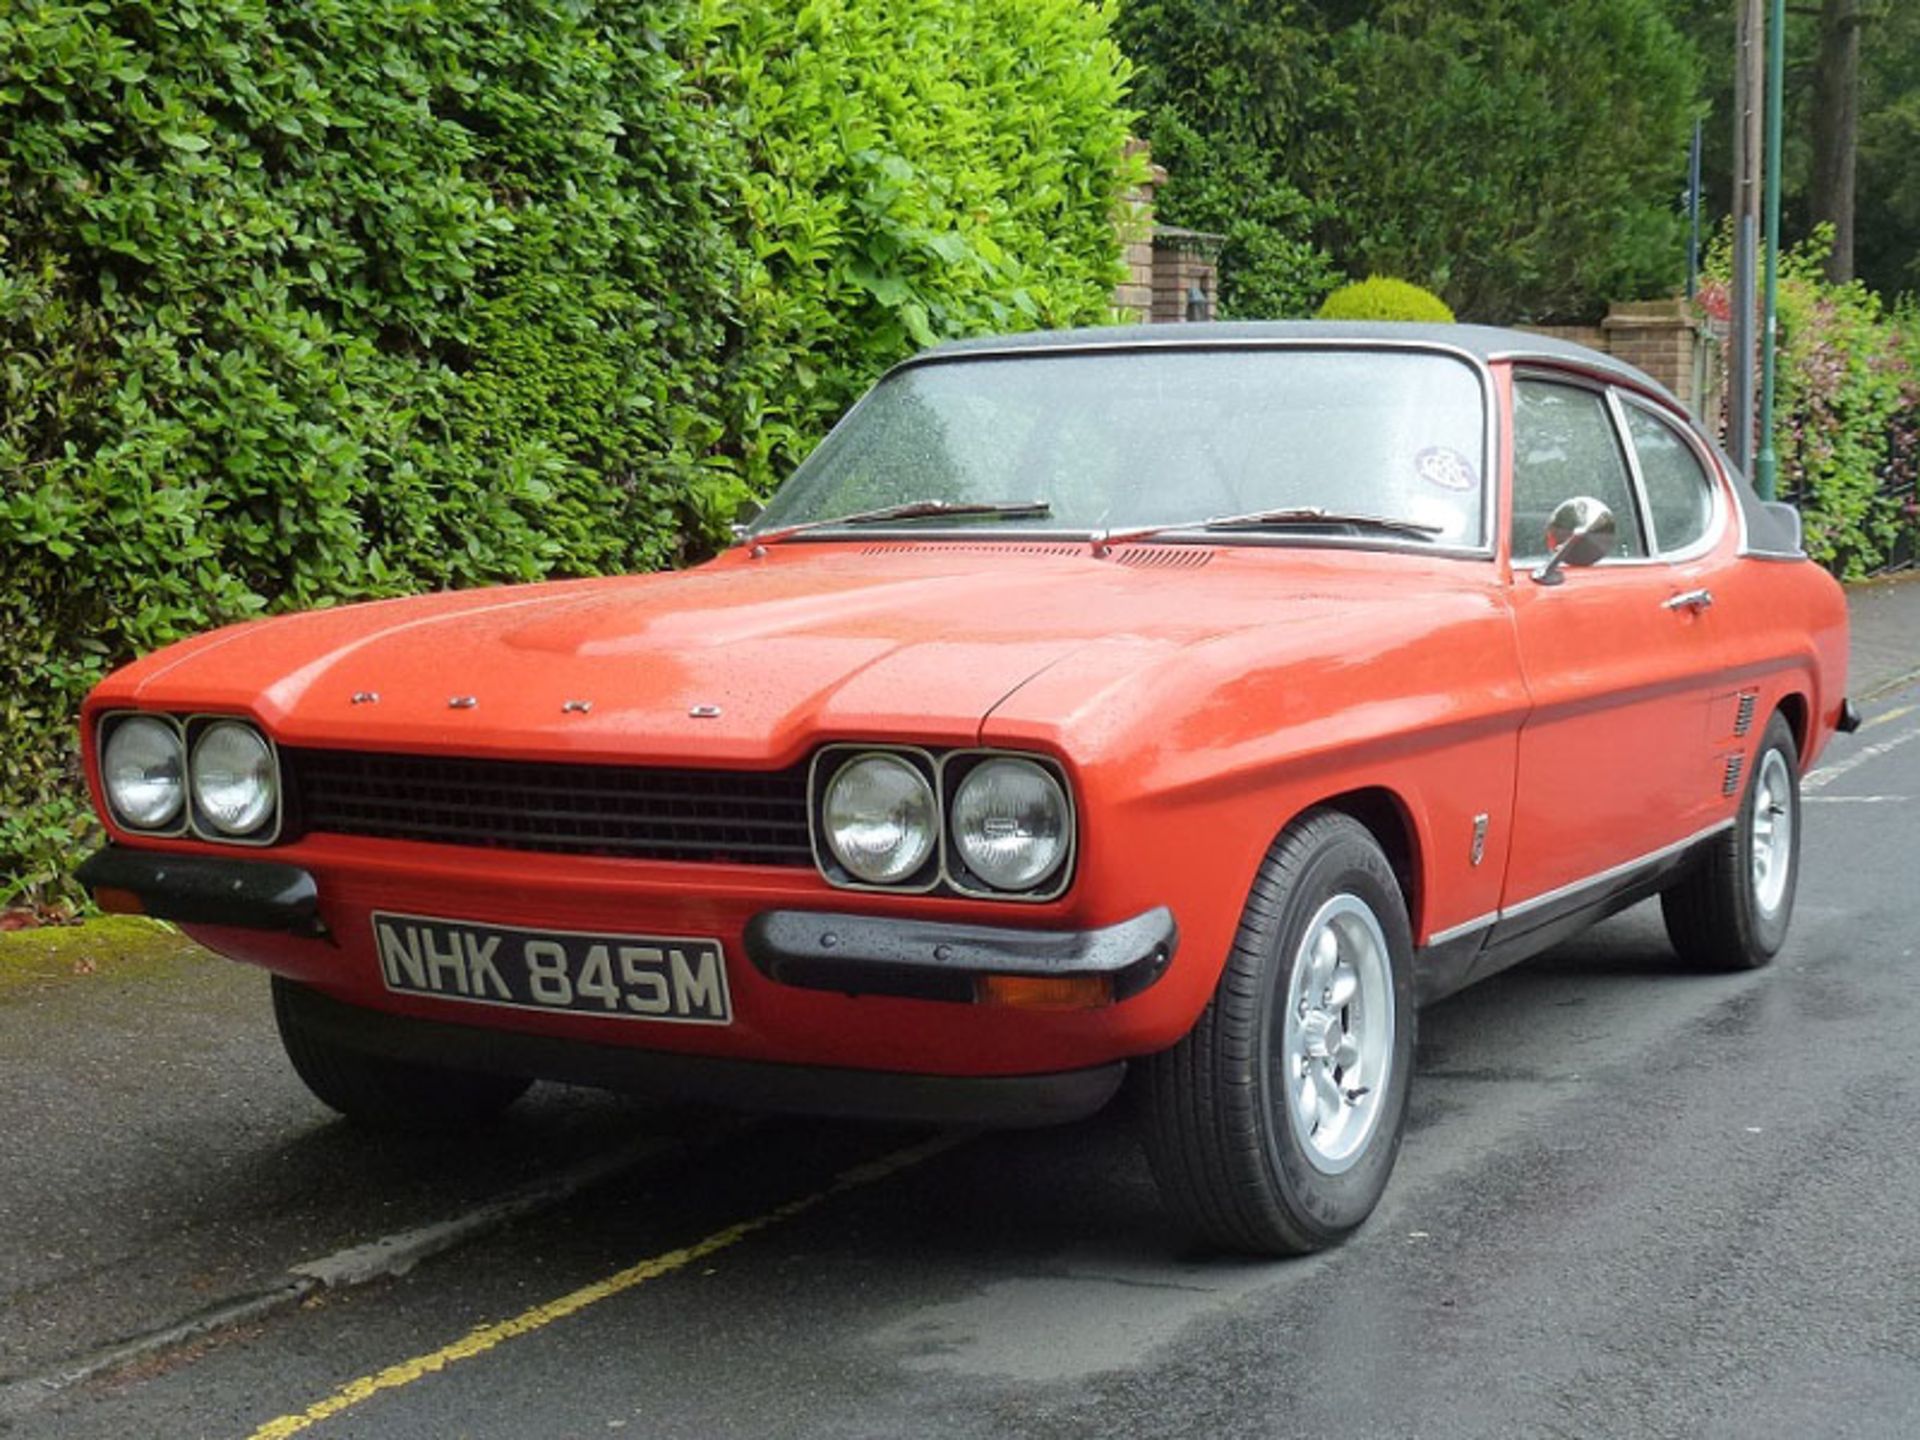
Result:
<point x="204" y="889"/>
<point x="938" y="960"/>
<point x="812" y="950"/>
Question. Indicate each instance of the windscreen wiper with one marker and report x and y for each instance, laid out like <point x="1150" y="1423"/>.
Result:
<point x="914" y="510"/>
<point x="1313" y="517"/>
<point x="1301" y="516"/>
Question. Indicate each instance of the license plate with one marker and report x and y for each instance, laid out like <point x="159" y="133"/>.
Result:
<point x="631" y="977"/>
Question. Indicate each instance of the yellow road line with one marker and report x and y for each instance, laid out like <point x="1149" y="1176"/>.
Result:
<point x="1885" y="715"/>
<point x="486" y="1337"/>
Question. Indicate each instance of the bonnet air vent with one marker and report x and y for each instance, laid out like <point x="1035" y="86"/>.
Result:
<point x="1164" y="557"/>
<point x="974" y="547"/>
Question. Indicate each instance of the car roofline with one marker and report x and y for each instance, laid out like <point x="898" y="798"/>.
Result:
<point x="1486" y="344"/>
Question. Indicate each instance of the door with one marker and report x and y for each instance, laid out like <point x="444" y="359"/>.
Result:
<point x="1618" y="659"/>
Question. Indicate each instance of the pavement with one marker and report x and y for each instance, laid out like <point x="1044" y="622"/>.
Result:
<point x="1886" y="633"/>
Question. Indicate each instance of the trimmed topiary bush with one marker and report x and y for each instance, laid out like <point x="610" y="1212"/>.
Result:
<point x="1380" y="298"/>
<point x="307" y="304"/>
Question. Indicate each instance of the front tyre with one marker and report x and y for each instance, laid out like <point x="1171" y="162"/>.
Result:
<point x="1273" y="1126"/>
<point x="380" y="1093"/>
<point x="1732" y="910"/>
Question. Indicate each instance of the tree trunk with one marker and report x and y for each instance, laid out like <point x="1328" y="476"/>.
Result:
<point x="1836" y="128"/>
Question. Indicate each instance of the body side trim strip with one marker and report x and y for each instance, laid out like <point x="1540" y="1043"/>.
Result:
<point x="1457" y="932"/>
<point x="1574" y="887"/>
<point x="1654" y="857"/>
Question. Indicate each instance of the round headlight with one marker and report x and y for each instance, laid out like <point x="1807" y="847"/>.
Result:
<point x="233" y="780"/>
<point x="880" y="818"/>
<point x="1010" y="823"/>
<point x="144" y="773"/>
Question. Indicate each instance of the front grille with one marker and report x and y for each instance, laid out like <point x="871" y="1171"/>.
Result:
<point x="754" y="817"/>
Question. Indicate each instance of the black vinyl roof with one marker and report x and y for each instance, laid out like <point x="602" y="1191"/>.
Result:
<point x="1483" y="342"/>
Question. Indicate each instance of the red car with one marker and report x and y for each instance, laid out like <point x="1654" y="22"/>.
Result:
<point x="1192" y="701"/>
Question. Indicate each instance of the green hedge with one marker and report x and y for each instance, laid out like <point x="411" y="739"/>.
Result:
<point x="913" y="171"/>
<point x="307" y="305"/>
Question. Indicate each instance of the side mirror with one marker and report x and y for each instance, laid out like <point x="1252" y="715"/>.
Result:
<point x="1582" y="531"/>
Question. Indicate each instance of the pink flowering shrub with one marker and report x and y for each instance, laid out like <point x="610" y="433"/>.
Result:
<point x="1846" y="413"/>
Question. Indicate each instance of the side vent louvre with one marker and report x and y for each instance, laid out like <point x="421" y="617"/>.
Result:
<point x="1163" y="557"/>
<point x="1735" y="764"/>
<point x="1743" y="718"/>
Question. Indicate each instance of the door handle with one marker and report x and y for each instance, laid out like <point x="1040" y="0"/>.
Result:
<point x="1694" y="600"/>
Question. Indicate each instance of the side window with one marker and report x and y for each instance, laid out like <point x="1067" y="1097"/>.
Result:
<point x="1679" y="491"/>
<point x="1564" y="445"/>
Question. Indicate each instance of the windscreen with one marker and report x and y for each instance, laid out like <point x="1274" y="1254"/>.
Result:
<point x="1115" y="439"/>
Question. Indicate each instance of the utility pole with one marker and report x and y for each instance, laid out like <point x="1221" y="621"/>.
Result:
<point x="1749" y="86"/>
<point x="1836" y="127"/>
<point x="1693" y="214"/>
<point x="1767" y="468"/>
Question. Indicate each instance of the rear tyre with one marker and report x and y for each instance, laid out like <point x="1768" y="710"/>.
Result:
<point x="381" y="1093"/>
<point x="1273" y="1126"/>
<point x="1732" y="910"/>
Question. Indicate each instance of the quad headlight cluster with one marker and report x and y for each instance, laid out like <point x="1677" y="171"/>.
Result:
<point x="208" y="776"/>
<point x="977" y="822"/>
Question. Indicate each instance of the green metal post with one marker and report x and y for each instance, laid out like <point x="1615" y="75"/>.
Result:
<point x="1766" y="468"/>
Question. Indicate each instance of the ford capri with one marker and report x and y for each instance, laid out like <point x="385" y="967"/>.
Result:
<point x="1179" y="706"/>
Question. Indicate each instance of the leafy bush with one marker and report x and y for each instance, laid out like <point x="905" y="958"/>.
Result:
<point x="1846" y="410"/>
<point x="914" y="171"/>
<point x="1519" y="157"/>
<point x="309" y="304"/>
<point x="1269" y="268"/>
<point x="1381" y="298"/>
<point x="1223" y="89"/>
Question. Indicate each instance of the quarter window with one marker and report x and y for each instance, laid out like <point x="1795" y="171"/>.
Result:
<point x="1679" y="492"/>
<point x="1564" y="445"/>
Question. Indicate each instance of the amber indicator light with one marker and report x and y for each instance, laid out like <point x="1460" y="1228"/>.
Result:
<point x="1046" y="992"/>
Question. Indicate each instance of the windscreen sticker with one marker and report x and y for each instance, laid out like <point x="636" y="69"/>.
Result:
<point x="1446" y="467"/>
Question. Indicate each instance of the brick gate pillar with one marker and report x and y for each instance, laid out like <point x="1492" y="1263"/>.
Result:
<point x="1134" y="297"/>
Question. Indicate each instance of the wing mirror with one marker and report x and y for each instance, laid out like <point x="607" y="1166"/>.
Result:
<point x="1582" y="531"/>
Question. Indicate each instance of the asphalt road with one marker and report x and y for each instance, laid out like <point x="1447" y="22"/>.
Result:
<point x="1634" y="1201"/>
